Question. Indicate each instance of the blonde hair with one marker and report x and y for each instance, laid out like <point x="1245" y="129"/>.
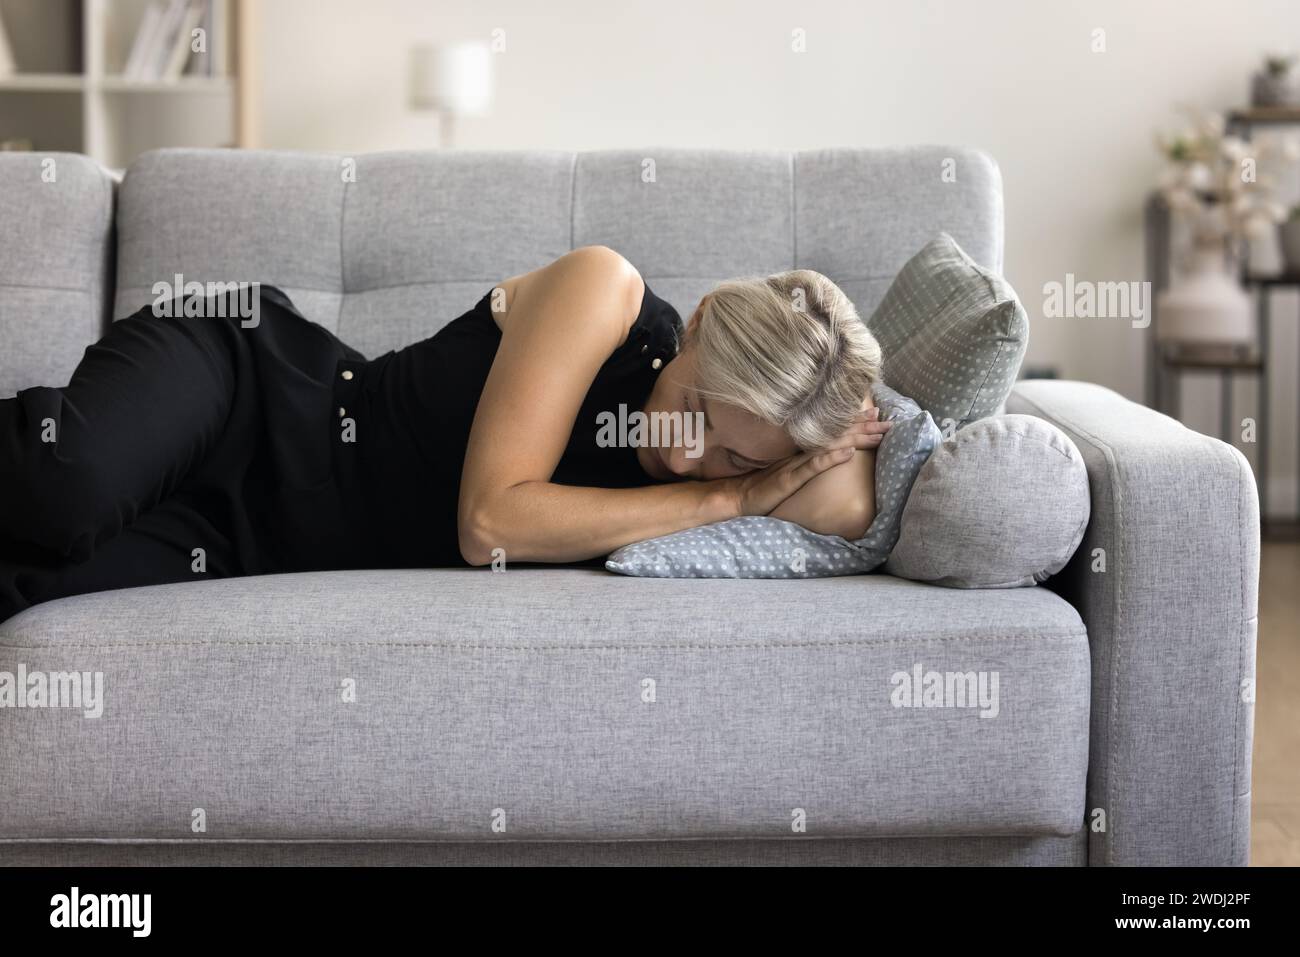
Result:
<point x="789" y="349"/>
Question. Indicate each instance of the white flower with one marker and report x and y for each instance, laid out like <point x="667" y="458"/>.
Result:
<point x="1198" y="176"/>
<point x="1182" y="200"/>
<point x="1257" y="225"/>
<point x="1212" y="125"/>
<point x="1169" y="178"/>
<point x="1234" y="148"/>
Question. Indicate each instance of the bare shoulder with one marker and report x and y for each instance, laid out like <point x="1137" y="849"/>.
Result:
<point x="601" y="269"/>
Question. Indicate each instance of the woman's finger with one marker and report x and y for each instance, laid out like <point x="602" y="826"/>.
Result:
<point x="814" y="464"/>
<point x="858" y="440"/>
<point x="869" y="425"/>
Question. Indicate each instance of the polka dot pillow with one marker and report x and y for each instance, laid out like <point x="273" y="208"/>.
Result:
<point x="764" y="547"/>
<point x="952" y="334"/>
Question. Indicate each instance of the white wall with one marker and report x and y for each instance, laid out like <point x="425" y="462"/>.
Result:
<point x="1072" y="129"/>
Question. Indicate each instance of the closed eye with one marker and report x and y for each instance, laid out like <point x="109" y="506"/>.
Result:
<point x="743" y="463"/>
<point x="735" y="459"/>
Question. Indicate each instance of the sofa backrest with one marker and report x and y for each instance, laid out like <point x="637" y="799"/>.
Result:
<point x="386" y="248"/>
<point x="56" y="273"/>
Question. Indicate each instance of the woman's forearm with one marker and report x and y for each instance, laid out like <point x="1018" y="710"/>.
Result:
<point x="545" y="522"/>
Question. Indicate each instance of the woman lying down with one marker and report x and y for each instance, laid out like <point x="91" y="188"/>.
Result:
<point x="563" y="416"/>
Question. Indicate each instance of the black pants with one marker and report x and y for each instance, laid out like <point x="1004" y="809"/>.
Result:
<point x="180" y="449"/>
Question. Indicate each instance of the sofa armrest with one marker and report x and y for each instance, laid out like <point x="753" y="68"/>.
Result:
<point x="1166" y="582"/>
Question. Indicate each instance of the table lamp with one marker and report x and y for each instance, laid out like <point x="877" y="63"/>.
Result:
<point x="454" y="80"/>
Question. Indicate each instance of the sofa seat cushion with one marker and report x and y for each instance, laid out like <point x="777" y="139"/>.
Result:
<point x="546" y="704"/>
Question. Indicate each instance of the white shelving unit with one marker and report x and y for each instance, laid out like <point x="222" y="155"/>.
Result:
<point x="91" y="107"/>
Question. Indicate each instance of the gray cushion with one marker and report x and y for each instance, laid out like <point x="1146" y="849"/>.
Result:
<point x="759" y="546"/>
<point x="55" y="250"/>
<point x="952" y="333"/>
<point x="1002" y="503"/>
<point x="526" y="690"/>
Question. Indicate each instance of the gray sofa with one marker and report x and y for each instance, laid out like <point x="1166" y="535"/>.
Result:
<point x="567" y="715"/>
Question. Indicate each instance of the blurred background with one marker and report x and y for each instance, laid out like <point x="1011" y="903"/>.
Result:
<point x="1122" y="130"/>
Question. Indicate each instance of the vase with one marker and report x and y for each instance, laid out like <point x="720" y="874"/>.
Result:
<point x="1275" y="89"/>
<point x="1206" y="305"/>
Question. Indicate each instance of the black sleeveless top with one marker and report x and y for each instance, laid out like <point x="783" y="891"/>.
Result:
<point x="414" y="407"/>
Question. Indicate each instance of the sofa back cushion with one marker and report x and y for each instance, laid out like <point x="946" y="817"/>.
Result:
<point x="384" y="249"/>
<point x="56" y="250"/>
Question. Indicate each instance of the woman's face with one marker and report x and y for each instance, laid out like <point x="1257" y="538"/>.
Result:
<point x="727" y="440"/>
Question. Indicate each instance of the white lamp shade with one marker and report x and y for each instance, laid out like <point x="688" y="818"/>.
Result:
<point x="457" y="79"/>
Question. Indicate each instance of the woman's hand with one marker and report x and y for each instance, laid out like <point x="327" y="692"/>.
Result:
<point x="759" y="493"/>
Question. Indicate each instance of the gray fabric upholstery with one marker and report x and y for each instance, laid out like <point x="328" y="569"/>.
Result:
<point x="795" y="852"/>
<point x="1171" y="622"/>
<point x="1001" y="504"/>
<point x="417" y="237"/>
<point x="525" y="690"/>
<point x="55" y="264"/>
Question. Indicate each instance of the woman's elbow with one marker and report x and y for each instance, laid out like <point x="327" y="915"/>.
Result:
<point x="859" y="520"/>
<point x="477" y="546"/>
<point x="849" y="520"/>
